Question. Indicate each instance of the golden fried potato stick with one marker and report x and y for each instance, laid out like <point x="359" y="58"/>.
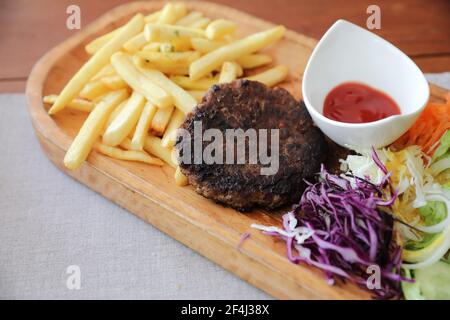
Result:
<point x="180" y="179"/>
<point x="152" y="46"/>
<point x="272" y="76"/>
<point x="92" y="128"/>
<point x="76" y="104"/>
<point x="166" y="69"/>
<point x="169" y="59"/>
<point x="230" y="72"/>
<point x="170" y="135"/>
<point x="93" y="46"/>
<point x="230" y="52"/>
<point x="201" y="23"/>
<point x="172" y="12"/>
<point x="114" y="82"/>
<point x="161" y="120"/>
<point x="152" y="17"/>
<point x="125" y="121"/>
<point x="205" y="45"/>
<point x="138" y="140"/>
<point x="106" y="71"/>
<point x="135" y="43"/>
<point x="129" y="155"/>
<point x="197" y="94"/>
<point x="93" y="90"/>
<point x="220" y="28"/>
<point x="116" y="111"/>
<point x="138" y="82"/>
<point x="153" y="146"/>
<point x="189" y="84"/>
<point x="166" y="32"/>
<point x="97" y="62"/>
<point x="181" y="98"/>
<point x="190" y="18"/>
<point x="254" y="60"/>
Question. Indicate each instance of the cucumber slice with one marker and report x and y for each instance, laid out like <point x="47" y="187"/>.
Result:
<point x="434" y="281"/>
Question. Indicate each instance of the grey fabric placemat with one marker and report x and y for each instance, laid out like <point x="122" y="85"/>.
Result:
<point x="49" y="222"/>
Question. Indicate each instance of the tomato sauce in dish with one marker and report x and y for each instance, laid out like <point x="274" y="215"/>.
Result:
<point x="354" y="102"/>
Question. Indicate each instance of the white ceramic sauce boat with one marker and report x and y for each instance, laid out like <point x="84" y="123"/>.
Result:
<point x="349" y="53"/>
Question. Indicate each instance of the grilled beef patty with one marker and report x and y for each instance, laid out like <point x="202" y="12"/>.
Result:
<point x="248" y="104"/>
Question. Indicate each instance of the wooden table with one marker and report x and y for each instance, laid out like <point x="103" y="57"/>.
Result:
<point x="421" y="28"/>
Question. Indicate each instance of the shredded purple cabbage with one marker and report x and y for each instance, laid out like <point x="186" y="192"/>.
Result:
<point x="343" y="230"/>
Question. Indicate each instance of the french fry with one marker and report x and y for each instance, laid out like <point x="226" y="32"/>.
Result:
<point x="230" y="72"/>
<point x="169" y="59"/>
<point x="190" y="18"/>
<point x="152" y="17"/>
<point x="91" y="129"/>
<point x="201" y="23"/>
<point x="76" y="104"/>
<point x="180" y="44"/>
<point x="152" y="46"/>
<point x="234" y="50"/>
<point x="180" y="179"/>
<point x="169" y="70"/>
<point x="251" y="61"/>
<point x="165" y="32"/>
<point x="189" y="84"/>
<point x="138" y="82"/>
<point x="93" y="90"/>
<point x="116" y="111"/>
<point x="205" y="45"/>
<point x="220" y="28"/>
<point x="135" y="43"/>
<point x="161" y="120"/>
<point x="81" y="105"/>
<point x="172" y="12"/>
<point x="125" y="121"/>
<point x="106" y="71"/>
<point x="174" y="156"/>
<point x="138" y="140"/>
<point x="166" y="69"/>
<point x="181" y="98"/>
<point x="197" y="94"/>
<point x="97" y="62"/>
<point x="95" y="45"/>
<point x="166" y="47"/>
<point x="170" y="135"/>
<point x="177" y="44"/>
<point x="272" y="76"/>
<point x="153" y="146"/>
<point x="130" y="155"/>
<point x="114" y="82"/>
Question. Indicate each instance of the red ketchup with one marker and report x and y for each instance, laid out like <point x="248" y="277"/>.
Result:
<point x="354" y="102"/>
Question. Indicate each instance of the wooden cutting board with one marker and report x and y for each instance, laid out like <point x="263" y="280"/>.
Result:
<point x="150" y="193"/>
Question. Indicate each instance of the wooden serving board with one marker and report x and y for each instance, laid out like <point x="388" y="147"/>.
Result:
<point x="150" y="192"/>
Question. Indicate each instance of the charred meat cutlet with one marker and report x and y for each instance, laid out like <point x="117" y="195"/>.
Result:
<point x="245" y="104"/>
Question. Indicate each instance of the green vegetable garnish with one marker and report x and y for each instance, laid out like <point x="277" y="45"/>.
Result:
<point x="443" y="148"/>
<point x="433" y="212"/>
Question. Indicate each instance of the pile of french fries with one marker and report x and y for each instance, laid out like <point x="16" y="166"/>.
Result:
<point x="144" y="77"/>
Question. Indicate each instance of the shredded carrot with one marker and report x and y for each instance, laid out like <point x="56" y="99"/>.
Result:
<point x="428" y="128"/>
